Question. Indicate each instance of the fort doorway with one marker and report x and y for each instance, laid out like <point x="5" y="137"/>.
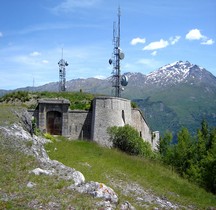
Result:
<point x="54" y="123"/>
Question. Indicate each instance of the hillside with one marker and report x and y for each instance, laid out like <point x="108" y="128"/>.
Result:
<point x="179" y="95"/>
<point x="31" y="180"/>
<point x="78" y="100"/>
<point x="176" y="95"/>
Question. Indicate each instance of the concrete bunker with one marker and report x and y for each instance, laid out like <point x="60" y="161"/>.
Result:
<point x="54" y="116"/>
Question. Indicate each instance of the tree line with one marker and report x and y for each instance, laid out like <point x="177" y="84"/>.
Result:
<point x="193" y="157"/>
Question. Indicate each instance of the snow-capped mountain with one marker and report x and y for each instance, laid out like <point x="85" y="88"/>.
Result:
<point x="179" y="72"/>
<point x="171" y="73"/>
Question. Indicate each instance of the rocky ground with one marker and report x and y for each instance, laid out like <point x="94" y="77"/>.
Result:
<point x="106" y="198"/>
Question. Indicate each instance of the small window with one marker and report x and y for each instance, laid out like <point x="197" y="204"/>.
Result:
<point x="123" y="116"/>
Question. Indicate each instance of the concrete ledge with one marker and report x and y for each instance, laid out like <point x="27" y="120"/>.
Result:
<point x="53" y="101"/>
<point x="110" y="97"/>
<point x="78" y="111"/>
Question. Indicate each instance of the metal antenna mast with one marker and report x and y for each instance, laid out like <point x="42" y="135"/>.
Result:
<point x="117" y="79"/>
<point x="62" y="74"/>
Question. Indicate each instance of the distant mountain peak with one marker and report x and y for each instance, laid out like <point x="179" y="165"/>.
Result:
<point x="177" y="64"/>
<point x="174" y="73"/>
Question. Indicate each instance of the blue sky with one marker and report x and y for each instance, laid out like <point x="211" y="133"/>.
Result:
<point x="153" y="33"/>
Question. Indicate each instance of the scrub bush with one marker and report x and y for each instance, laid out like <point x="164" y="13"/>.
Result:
<point x="127" y="139"/>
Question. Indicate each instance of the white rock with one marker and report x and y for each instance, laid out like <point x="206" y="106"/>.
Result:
<point x="39" y="171"/>
<point x="98" y="190"/>
<point x="106" y="192"/>
<point x="126" y="206"/>
<point x="31" y="184"/>
<point x="78" y="178"/>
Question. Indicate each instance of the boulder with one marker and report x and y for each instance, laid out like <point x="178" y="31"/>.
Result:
<point x="98" y="190"/>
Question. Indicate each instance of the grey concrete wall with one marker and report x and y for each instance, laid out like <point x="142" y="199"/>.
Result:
<point x="80" y="124"/>
<point x="141" y="125"/>
<point x="42" y="118"/>
<point x="155" y="142"/>
<point x="139" y="122"/>
<point x="107" y="112"/>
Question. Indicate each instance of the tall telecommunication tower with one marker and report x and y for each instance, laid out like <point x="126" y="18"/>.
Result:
<point x="62" y="74"/>
<point x="117" y="80"/>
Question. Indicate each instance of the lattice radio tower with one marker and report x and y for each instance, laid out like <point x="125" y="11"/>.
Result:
<point x="62" y="74"/>
<point x="117" y="80"/>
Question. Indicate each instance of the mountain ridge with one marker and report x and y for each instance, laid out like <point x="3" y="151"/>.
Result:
<point x="176" y="95"/>
<point x="169" y="74"/>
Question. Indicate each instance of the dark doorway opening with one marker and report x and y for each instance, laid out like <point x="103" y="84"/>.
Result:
<point x="54" y="123"/>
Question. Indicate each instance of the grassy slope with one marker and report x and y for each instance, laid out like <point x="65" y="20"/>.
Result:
<point x="97" y="164"/>
<point x="105" y="165"/>
<point x="15" y="195"/>
<point x="14" y="177"/>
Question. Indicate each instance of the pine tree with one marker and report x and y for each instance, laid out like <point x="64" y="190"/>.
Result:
<point x="209" y="165"/>
<point x="165" y="143"/>
<point x="182" y="151"/>
<point x="205" y="133"/>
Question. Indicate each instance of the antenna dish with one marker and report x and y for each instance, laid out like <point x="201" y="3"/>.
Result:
<point x="124" y="80"/>
<point x="121" y="55"/>
<point x="110" y="61"/>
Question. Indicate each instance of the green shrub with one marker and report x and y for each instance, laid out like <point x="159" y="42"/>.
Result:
<point x="127" y="139"/>
<point x="78" y="100"/>
<point x="134" y="104"/>
<point x="50" y="137"/>
<point x="22" y="96"/>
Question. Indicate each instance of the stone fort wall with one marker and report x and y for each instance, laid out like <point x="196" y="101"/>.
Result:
<point x="79" y="124"/>
<point x="55" y="116"/>
<point x="107" y="112"/>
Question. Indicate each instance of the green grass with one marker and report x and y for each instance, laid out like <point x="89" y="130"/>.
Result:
<point x="78" y="100"/>
<point x="103" y="165"/>
<point x="14" y="177"/>
<point x="7" y="115"/>
<point x="15" y="195"/>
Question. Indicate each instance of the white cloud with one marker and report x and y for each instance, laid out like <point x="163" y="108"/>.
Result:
<point x="137" y="41"/>
<point x="154" y="53"/>
<point x="156" y="45"/>
<point x="194" y="34"/>
<point x="35" y="53"/>
<point x="174" y="40"/>
<point x="45" y="61"/>
<point x="208" y="42"/>
<point x="1" y="34"/>
<point x="70" y="5"/>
